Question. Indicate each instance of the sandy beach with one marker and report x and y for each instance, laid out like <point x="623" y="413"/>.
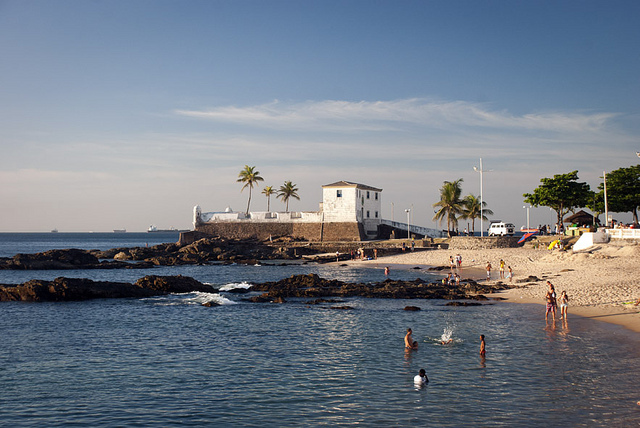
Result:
<point x="602" y="284"/>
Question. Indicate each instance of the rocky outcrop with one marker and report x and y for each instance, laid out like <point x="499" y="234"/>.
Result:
<point x="204" y="251"/>
<point x="313" y="286"/>
<point x="71" y="289"/>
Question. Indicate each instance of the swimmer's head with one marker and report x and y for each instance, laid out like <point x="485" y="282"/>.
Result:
<point x="409" y="330"/>
<point x="422" y="372"/>
<point x="482" y="336"/>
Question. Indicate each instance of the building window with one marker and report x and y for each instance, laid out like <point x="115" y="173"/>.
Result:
<point x="339" y="193"/>
<point x="368" y="215"/>
<point x="367" y="194"/>
<point x="376" y="196"/>
<point x="376" y="214"/>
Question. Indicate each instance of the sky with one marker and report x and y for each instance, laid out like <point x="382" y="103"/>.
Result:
<point x="122" y="114"/>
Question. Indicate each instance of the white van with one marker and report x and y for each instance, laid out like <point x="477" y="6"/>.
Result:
<point x="501" y="228"/>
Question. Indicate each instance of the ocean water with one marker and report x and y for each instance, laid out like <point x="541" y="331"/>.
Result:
<point x="169" y="361"/>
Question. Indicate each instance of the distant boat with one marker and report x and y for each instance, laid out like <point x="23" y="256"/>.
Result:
<point x="153" y="229"/>
<point x="119" y="230"/>
<point x="54" y="231"/>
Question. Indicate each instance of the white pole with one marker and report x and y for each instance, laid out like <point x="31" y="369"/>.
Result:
<point x="481" y="208"/>
<point x="408" y="224"/>
<point x="606" y="207"/>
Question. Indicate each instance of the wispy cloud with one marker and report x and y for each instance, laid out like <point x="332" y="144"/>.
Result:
<point x="331" y="115"/>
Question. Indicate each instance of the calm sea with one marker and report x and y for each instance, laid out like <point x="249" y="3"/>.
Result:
<point x="168" y="361"/>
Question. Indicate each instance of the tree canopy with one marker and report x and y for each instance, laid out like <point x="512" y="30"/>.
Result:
<point x="471" y="210"/>
<point x="450" y="204"/>
<point x="562" y="193"/>
<point x="288" y="190"/>
<point x="249" y="176"/>
<point x="623" y="190"/>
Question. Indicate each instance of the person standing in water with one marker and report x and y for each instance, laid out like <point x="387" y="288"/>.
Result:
<point x="421" y="378"/>
<point x="564" y="304"/>
<point x="488" y="271"/>
<point x="483" y="350"/>
<point x="409" y="343"/>
<point x="550" y="298"/>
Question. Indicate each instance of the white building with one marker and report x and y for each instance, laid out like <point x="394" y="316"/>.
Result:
<point x="345" y="202"/>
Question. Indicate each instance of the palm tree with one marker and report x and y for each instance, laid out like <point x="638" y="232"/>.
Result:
<point x="472" y="210"/>
<point x="249" y="176"/>
<point x="450" y="204"/>
<point x="268" y="191"/>
<point x="286" y="191"/>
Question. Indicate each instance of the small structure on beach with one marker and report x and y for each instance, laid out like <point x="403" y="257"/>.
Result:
<point x="582" y="218"/>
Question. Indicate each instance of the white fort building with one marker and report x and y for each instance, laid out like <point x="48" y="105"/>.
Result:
<point x="348" y="212"/>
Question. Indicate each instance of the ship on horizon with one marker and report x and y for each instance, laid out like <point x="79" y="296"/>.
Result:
<point x="153" y="229"/>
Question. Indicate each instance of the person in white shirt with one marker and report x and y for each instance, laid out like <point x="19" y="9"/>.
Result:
<point x="421" y="378"/>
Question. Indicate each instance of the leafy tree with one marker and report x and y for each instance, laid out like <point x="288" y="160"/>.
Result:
<point x="288" y="191"/>
<point x="471" y="210"/>
<point x="268" y="191"/>
<point x="562" y="193"/>
<point x="249" y="176"/>
<point x="450" y="204"/>
<point x="596" y="204"/>
<point x="623" y="190"/>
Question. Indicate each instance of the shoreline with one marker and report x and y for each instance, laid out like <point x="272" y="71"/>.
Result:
<point x="599" y="283"/>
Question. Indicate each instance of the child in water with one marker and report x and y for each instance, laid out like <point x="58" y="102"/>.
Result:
<point x="483" y="350"/>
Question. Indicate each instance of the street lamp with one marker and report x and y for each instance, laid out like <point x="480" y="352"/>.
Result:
<point x="408" y="211"/>
<point x="527" y="208"/>
<point x="480" y="170"/>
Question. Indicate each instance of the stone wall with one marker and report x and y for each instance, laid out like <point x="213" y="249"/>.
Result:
<point x="477" y="243"/>
<point x="314" y="232"/>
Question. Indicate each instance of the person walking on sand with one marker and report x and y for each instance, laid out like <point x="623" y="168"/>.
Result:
<point x="564" y="304"/>
<point x="483" y="345"/>
<point x="488" y="271"/>
<point x="409" y="343"/>
<point x="510" y="274"/>
<point x="452" y="263"/>
<point x="459" y="260"/>
<point x="550" y="298"/>
<point x="501" y="269"/>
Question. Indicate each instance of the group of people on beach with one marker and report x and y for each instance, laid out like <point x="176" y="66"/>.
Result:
<point x="508" y="276"/>
<point x="421" y="378"/>
<point x="552" y="303"/>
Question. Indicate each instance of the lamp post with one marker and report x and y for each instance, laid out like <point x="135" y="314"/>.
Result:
<point x="527" y="208"/>
<point x="408" y="211"/>
<point x="480" y="170"/>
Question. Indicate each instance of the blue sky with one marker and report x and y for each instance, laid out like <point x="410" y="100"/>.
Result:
<point x="122" y="114"/>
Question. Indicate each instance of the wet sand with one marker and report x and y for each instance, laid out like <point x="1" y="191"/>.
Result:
<point x="601" y="285"/>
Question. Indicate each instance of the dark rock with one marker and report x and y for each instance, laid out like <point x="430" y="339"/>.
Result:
<point x="342" y="307"/>
<point x="463" y="304"/>
<point x="320" y="301"/>
<point x="411" y="308"/>
<point x="70" y="289"/>
<point x="210" y="304"/>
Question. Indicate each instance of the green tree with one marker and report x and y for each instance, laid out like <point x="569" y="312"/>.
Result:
<point x="596" y="204"/>
<point x="249" y="176"/>
<point x="450" y="204"/>
<point x="268" y="191"/>
<point x="623" y="190"/>
<point x="471" y="210"/>
<point x="288" y="191"/>
<point x="562" y="193"/>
